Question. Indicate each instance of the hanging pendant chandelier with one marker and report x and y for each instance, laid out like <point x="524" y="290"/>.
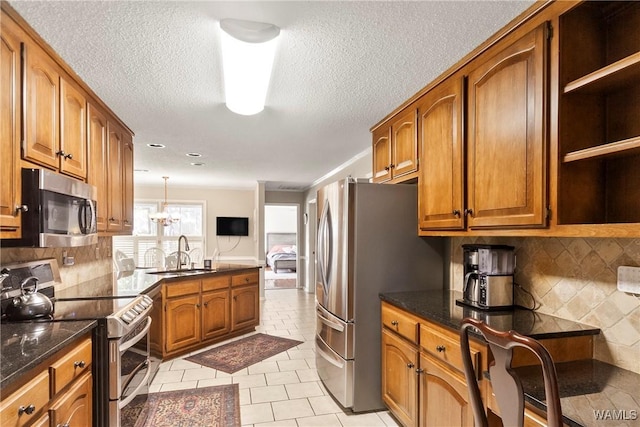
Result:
<point x="164" y="217"/>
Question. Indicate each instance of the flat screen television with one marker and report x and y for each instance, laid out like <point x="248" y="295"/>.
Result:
<point x="232" y="226"/>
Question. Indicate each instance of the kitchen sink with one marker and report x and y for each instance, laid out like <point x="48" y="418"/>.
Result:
<point x="181" y="272"/>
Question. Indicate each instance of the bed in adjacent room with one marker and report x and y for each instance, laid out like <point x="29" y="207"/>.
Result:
<point x="281" y="251"/>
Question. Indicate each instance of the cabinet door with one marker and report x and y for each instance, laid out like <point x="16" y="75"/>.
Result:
<point x="245" y="307"/>
<point x="507" y="142"/>
<point x="216" y="317"/>
<point x="404" y="144"/>
<point x="41" y="143"/>
<point x="381" y="154"/>
<point x="183" y="322"/>
<point x="399" y="379"/>
<point x="441" y="184"/>
<point x="74" y="408"/>
<point x="97" y="165"/>
<point x="115" y="177"/>
<point x="73" y="130"/>
<point x="127" y="183"/>
<point x="444" y="398"/>
<point x="10" y="176"/>
<point x="33" y="396"/>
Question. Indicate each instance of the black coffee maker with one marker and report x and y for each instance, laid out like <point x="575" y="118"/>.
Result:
<point x="488" y="276"/>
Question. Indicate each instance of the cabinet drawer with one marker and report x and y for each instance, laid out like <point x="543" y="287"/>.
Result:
<point x="215" y="282"/>
<point x="35" y="394"/>
<point x="399" y="322"/>
<point x="182" y="288"/>
<point x="70" y="367"/>
<point x="445" y="346"/>
<point x="245" y="279"/>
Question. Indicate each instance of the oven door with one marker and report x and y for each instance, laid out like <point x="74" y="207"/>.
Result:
<point x="129" y="368"/>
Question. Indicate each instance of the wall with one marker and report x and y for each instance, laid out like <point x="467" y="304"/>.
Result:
<point x="219" y="202"/>
<point x="575" y="279"/>
<point x="91" y="262"/>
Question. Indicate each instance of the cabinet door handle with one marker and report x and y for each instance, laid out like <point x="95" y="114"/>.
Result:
<point x="410" y="365"/>
<point x="80" y="364"/>
<point x="440" y="348"/>
<point x="206" y="304"/>
<point x="387" y="168"/>
<point x="394" y="322"/>
<point x="419" y="371"/>
<point x="63" y="425"/>
<point x="61" y="153"/>
<point x="456" y="213"/>
<point x="26" y="410"/>
<point x="197" y="305"/>
<point x="392" y="166"/>
<point x="22" y="208"/>
<point x="468" y="212"/>
<point x="68" y="156"/>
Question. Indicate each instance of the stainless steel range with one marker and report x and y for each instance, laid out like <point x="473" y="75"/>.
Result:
<point x="123" y="366"/>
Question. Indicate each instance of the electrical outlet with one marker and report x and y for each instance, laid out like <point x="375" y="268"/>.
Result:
<point x="629" y="279"/>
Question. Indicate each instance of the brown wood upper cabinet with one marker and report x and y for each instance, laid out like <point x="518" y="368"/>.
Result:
<point x="97" y="169"/>
<point x="55" y="116"/>
<point x="441" y="183"/>
<point x="10" y="99"/>
<point x="507" y="144"/>
<point x="120" y="179"/>
<point x="395" y="149"/>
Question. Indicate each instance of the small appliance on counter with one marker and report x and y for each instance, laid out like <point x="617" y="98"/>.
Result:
<point x="488" y="276"/>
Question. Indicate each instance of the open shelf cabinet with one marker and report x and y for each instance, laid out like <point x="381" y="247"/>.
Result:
<point x="599" y="125"/>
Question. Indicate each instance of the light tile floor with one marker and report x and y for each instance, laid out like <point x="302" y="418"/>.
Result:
<point x="283" y="390"/>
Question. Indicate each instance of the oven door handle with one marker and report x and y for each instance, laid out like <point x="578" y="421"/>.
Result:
<point x="126" y="345"/>
<point x="124" y="402"/>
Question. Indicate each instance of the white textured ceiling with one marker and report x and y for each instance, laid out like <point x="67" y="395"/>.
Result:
<point x="340" y="68"/>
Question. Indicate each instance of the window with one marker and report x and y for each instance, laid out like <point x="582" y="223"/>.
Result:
<point x="147" y="234"/>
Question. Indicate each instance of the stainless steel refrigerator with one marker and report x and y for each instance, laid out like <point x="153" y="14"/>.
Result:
<point x="367" y="243"/>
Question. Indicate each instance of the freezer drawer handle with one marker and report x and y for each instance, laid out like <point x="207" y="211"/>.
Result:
<point x="329" y="323"/>
<point x="326" y="356"/>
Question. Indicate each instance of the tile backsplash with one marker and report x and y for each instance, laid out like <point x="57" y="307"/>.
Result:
<point x="575" y="278"/>
<point x="90" y="261"/>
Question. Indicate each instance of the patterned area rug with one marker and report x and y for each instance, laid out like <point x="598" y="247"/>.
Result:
<point x="280" y="283"/>
<point x="244" y="352"/>
<point x="217" y="406"/>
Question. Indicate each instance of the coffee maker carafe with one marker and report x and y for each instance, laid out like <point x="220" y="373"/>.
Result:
<point x="488" y="276"/>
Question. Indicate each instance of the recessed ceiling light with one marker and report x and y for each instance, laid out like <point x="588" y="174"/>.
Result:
<point x="155" y="145"/>
<point x="197" y="164"/>
<point x="194" y="155"/>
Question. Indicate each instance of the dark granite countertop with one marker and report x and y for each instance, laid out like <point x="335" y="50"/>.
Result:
<point x="24" y="345"/>
<point x="591" y="392"/>
<point x="588" y="388"/>
<point x="440" y="306"/>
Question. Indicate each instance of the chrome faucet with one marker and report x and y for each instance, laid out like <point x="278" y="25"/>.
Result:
<point x="186" y="248"/>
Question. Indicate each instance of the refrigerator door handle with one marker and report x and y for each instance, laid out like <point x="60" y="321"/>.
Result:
<point x="337" y="362"/>
<point x="329" y="323"/>
<point x="325" y="246"/>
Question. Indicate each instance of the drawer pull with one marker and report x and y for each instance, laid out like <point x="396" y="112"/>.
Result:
<point x="28" y="410"/>
<point x="410" y="365"/>
<point x="394" y="322"/>
<point x="440" y="348"/>
<point x="80" y="364"/>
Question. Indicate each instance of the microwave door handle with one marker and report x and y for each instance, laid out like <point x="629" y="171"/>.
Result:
<point x="81" y="219"/>
<point x="91" y="224"/>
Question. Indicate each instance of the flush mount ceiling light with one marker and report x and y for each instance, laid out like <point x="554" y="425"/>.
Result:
<point x="163" y="217"/>
<point x="194" y="155"/>
<point x="155" y="145"/>
<point x="248" y="49"/>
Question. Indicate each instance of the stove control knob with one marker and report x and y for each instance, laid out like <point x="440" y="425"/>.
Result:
<point x="126" y="318"/>
<point x="140" y="308"/>
<point x="135" y="309"/>
<point x="133" y="313"/>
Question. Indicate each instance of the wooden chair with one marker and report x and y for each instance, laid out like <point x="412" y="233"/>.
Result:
<point x="506" y="385"/>
<point x="123" y="262"/>
<point x="195" y="255"/>
<point x="171" y="261"/>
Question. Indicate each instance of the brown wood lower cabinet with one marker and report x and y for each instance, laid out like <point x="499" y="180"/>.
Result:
<point x="422" y="379"/>
<point x="399" y="379"/>
<point x="59" y="392"/>
<point x="197" y="312"/>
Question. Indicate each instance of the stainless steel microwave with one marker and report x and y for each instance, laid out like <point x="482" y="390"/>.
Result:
<point x="59" y="211"/>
